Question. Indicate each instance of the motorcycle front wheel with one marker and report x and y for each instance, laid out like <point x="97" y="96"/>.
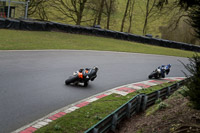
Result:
<point x="152" y="75"/>
<point x="71" y="79"/>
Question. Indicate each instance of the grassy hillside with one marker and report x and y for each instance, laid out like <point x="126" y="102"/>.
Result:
<point x="27" y="40"/>
<point x="138" y="19"/>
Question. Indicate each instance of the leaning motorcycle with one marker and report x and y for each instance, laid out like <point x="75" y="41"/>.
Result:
<point x="155" y="74"/>
<point x="82" y="77"/>
<point x="160" y="72"/>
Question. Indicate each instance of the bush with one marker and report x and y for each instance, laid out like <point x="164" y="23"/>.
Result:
<point x="159" y="100"/>
<point x="162" y="105"/>
<point x="193" y="83"/>
<point x="183" y="91"/>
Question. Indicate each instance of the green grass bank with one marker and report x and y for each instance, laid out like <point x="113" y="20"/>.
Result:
<point x="37" y="40"/>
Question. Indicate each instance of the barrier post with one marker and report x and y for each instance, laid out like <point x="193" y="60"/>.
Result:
<point x="8" y="15"/>
<point x="144" y="102"/>
<point x="168" y="91"/>
<point x="26" y="11"/>
<point x="177" y="85"/>
<point x="114" y="122"/>
<point x="95" y="130"/>
<point x="158" y="94"/>
<point x="128" y="110"/>
<point x="139" y="98"/>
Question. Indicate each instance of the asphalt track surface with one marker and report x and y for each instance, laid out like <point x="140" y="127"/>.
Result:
<point x="32" y="82"/>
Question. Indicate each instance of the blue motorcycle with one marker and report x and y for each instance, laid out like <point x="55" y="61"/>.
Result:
<point x="160" y="72"/>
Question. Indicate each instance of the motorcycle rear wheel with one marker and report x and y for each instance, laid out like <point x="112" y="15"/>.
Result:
<point x="85" y="84"/>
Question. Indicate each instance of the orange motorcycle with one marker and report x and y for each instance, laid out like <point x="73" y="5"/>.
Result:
<point x="82" y="77"/>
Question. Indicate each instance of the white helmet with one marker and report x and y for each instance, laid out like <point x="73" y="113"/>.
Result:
<point x="158" y="70"/>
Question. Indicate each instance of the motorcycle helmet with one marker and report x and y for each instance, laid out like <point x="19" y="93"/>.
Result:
<point x="169" y="65"/>
<point x="158" y="70"/>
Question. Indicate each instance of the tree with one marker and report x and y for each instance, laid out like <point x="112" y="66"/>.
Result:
<point x="125" y="14"/>
<point x="150" y="5"/>
<point x="100" y="12"/>
<point x="128" y="13"/>
<point x="42" y="10"/>
<point x="131" y="15"/>
<point x="193" y="83"/>
<point x="93" y="7"/>
<point x="38" y="9"/>
<point x="73" y="9"/>
<point x="193" y="9"/>
<point x="97" y="7"/>
<point x="194" y="16"/>
<point x="110" y="9"/>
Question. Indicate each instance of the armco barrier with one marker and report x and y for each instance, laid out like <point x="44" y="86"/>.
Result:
<point x="12" y="24"/>
<point x="53" y="26"/>
<point x="138" y="103"/>
<point x="110" y="122"/>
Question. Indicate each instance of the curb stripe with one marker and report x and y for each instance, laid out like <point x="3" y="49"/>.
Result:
<point x="29" y="130"/>
<point x="125" y="89"/>
<point x="135" y="87"/>
<point x="156" y="81"/>
<point x="69" y="110"/>
<point x="82" y="104"/>
<point x="170" y="80"/>
<point x="40" y="124"/>
<point x="57" y="115"/>
<point x="142" y="85"/>
<point x="180" y="78"/>
<point x="101" y="96"/>
<point x="92" y="99"/>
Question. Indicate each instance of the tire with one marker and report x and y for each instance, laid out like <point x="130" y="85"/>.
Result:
<point x="150" y="77"/>
<point x="71" y="79"/>
<point x="85" y="84"/>
<point x="93" y="78"/>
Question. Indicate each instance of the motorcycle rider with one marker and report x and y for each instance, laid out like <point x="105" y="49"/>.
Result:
<point x="84" y="72"/>
<point x="164" y="69"/>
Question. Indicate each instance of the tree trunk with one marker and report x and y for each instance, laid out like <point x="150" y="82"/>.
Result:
<point x="95" y="21"/>
<point x="100" y="12"/>
<point x="78" y="22"/>
<point x="146" y="18"/>
<point x="125" y="14"/>
<point x="108" y="22"/>
<point x="109" y="8"/>
<point x="80" y="12"/>
<point x="131" y="16"/>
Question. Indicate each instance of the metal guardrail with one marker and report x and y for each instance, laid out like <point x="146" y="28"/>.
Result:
<point x="138" y="103"/>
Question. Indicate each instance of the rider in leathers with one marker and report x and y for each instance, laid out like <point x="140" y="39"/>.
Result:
<point x="164" y="69"/>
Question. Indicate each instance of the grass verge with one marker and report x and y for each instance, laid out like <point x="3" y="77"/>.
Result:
<point x="82" y="119"/>
<point x="35" y="40"/>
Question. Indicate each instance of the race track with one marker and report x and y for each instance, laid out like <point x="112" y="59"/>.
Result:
<point x="32" y="82"/>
